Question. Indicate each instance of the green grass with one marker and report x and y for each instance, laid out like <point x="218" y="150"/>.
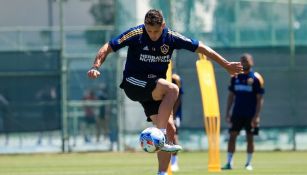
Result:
<point x="191" y="163"/>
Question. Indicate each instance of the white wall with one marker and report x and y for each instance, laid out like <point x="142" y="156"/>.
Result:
<point x="35" y="12"/>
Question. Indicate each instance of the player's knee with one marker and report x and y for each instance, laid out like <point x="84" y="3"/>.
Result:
<point x="164" y="88"/>
<point x="174" y="90"/>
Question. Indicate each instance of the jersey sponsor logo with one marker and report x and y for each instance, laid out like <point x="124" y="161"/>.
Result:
<point x="246" y="88"/>
<point x="154" y="59"/>
<point x="164" y="49"/>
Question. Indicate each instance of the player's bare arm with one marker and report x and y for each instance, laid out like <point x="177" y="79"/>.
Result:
<point x="259" y="105"/>
<point x="99" y="59"/>
<point x="233" y="68"/>
<point x="230" y="100"/>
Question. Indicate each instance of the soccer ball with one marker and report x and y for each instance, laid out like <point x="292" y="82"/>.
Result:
<point x="152" y="139"/>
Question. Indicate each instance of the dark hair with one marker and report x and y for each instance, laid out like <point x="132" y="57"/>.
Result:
<point x="246" y="56"/>
<point x="153" y="17"/>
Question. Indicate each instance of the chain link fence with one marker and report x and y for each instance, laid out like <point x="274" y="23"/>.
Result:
<point x="273" y="31"/>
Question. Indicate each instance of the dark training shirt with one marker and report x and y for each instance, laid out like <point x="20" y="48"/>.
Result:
<point x="147" y="58"/>
<point x="246" y="87"/>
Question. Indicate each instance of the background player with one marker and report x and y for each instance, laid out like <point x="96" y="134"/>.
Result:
<point x="150" y="48"/>
<point x="104" y="114"/>
<point x="90" y="115"/>
<point x="246" y="96"/>
<point x="177" y="110"/>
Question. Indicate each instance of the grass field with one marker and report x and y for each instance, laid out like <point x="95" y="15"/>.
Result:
<point x="191" y="163"/>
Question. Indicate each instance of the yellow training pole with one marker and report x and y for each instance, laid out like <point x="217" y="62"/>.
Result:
<point x="169" y="78"/>
<point x="169" y="72"/>
<point x="169" y="169"/>
<point x="211" y="110"/>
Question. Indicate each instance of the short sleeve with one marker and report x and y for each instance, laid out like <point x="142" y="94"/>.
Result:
<point x="259" y="83"/>
<point x="126" y="38"/>
<point x="182" y="42"/>
<point x="181" y="91"/>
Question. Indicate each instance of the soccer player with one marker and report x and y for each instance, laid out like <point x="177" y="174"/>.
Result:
<point x="90" y="117"/>
<point x="104" y="114"/>
<point x="246" y="97"/>
<point x="5" y="113"/>
<point x="177" y="110"/>
<point x="150" y="48"/>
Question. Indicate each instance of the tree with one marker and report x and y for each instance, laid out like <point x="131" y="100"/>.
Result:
<point x="104" y="14"/>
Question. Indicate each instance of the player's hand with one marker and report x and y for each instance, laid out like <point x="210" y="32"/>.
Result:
<point x="255" y="121"/>
<point x="93" y="73"/>
<point x="228" y="120"/>
<point x="234" y="68"/>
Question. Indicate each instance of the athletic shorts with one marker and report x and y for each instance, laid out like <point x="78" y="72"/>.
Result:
<point x="141" y="91"/>
<point x="238" y="123"/>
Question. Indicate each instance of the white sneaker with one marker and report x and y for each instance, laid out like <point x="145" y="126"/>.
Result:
<point x="171" y="148"/>
<point x="249" y="167"/>
<point x="175" y="167"/>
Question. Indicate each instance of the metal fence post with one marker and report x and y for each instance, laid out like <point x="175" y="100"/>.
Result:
<point x="63" y="80"/>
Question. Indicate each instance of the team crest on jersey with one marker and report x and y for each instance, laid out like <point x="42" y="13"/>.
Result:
<point x="250" y="81"/>
<point x="164" y="49"/>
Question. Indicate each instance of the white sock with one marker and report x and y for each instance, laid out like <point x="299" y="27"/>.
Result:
<point x="229" y="158"/>
<point x="163" y="130"/>
<point x="174" y="159"/>
<point x="249" y="158"/>
<point x="162" y="173"/>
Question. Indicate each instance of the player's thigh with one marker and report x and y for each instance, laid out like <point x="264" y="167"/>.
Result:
<point x="162" y="87"/>
<point x="248" y="126"/>
<point x="237" y="123"/>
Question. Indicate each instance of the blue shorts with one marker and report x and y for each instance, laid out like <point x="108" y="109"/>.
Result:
<point x="141" y="90"/>
<point x="238" y="123"/>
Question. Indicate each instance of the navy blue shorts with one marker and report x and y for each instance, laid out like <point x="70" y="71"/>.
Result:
<point x="238" y="123"/>
<point x="141" y="91"/>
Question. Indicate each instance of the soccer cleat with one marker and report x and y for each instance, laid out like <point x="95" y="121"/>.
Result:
<point x="249" y="167"/>
<point x="171" y="148"/>
<point x="227" y="167"/>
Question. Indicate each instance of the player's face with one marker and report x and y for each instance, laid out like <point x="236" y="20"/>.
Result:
<point x="247" y="64"/>
<point x="154" y="31"/>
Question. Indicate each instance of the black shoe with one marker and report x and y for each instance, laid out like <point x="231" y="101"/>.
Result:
<point x="227" y="167"/>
